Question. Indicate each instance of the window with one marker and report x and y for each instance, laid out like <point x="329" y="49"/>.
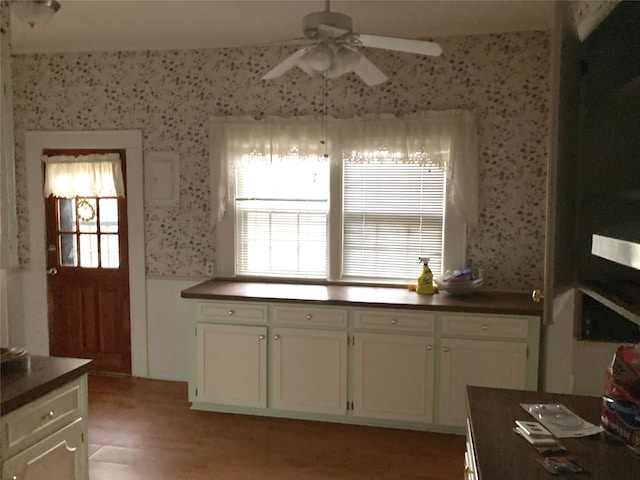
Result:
<point x="281" y="213"/>
<point x="387" y="192"/>
<point x="393" y="212"/>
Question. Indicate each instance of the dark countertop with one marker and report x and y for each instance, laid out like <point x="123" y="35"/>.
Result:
<point x="362" y="296"/>
<point x="46" y="374"/>
<point x="501" y="454"/>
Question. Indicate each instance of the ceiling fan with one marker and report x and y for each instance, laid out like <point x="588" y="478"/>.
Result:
<point x="333" y="49"/>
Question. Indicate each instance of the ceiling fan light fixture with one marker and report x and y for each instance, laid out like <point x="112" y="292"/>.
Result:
<point x="318" y="58"/>
<point x="345" y="60"/>
<point x="34" y="12"/>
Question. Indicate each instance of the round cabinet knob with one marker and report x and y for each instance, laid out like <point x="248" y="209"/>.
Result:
<point x="13" y="477"/>
<point x="52" y="271"/>
<point x="485" y="327"/>
<point x="276" y="337"/>
<point x="429" y="347"/>
<point x="48" y="416"/>
<point x="309" y="316"/>
<point x="261" y="337"/>
<point x="394" y="321"/>
<point x="445" y="349"/>
<point x="537" y="295"/>
<point x="230" y="312"/>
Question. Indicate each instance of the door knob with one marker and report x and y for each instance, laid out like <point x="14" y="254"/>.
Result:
<point x="52" y="271"/>
<point x="537" y="295"/>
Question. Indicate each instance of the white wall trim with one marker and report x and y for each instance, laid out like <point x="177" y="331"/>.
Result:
<point x="35" y="306"/>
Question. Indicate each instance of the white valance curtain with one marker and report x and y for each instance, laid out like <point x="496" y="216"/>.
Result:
<point x="444" y="139"/>
<point x="92" y="175"/>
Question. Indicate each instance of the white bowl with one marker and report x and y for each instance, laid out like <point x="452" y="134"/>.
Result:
<point x="459" y="287"/>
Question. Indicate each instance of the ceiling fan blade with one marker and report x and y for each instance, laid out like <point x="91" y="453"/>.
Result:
<point x="285" y="66"/>
<point x="368" y="72"/>
<point x="331" y="31"/>
<point x="401" y="44"/>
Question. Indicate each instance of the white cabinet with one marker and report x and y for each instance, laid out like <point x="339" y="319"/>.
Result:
<point x="231" y="365"/>
<point x="393" y="377"/>
<point x="309" y="370"/>
<point x="399" y="367"/>
<point x="57" y="457"/>
<point x="47" y="438"/>
<point x="484" y="363"/>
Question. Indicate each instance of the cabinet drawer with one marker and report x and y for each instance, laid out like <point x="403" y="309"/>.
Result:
<point x="485" y="326"/>
<point x="33" y="422"/>
<point x="394" y="320"/>
<point x="244" y="312"/>
<point x="316" y="316"/>
<point x="58" y="456"/>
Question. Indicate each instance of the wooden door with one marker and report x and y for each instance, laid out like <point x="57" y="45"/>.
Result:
<point x="88" y="277"/>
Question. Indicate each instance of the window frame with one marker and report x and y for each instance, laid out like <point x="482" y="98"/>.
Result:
<point x="454" y="243"/>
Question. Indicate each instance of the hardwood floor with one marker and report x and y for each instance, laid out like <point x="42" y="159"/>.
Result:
<point x="144" y="430"/>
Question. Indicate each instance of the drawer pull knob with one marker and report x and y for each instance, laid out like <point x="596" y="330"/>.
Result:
<point x="394" y="321"/>
<point x="48" y="416"/>
<point x="309" y="316"/>
<point x="445" y="349"/>
<point x="429" y="347"/>
<point x="276" y="337"/>
<point x="230" y="312"/>
<point x="261" y="337"/>
<point x="13" y="477"/>
<point x="485" y="327"/>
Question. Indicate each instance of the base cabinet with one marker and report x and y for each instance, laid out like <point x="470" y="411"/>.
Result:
<point x="58" y="457"/>
<point x="373" y="366"/>
<point x="231" y="365"/>
<point x="393" y="377"/>
<point x="47" y="438"/>
<point x="309" y="370"/>
<point x="477" y="362"/>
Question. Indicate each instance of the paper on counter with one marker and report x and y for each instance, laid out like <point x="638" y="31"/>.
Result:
<point x="561" y="421"/>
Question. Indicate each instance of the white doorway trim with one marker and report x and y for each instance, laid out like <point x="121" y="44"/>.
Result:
<point x="35" y="282"/>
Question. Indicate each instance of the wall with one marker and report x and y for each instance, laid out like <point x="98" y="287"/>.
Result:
<point x="170" y="95"/>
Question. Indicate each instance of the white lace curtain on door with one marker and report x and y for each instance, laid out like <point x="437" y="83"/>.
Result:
<point x="92" y="175"/>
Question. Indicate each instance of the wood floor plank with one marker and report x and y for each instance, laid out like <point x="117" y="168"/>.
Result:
<point x="144" y="429"/>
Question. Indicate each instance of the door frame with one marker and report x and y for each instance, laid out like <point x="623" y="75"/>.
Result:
<point x="35" y="308"/>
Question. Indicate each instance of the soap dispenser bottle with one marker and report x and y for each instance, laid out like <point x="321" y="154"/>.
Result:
<point x="425" y="280"/>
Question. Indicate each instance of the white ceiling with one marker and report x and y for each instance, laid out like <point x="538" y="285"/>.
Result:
<point x="98" y="25"/>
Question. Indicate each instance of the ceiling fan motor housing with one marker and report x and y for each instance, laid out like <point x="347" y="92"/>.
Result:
<point x="311" y="21"/>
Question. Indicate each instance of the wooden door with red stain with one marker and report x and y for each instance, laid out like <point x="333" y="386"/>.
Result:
<point x="88" y="277"/>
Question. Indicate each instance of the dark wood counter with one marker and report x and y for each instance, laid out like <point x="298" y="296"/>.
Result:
<point x="46" y="374"/>
<point x="352" y="296"/>
<point x="501" y="454"/>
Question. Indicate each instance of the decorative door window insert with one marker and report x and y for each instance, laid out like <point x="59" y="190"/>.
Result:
<point x="88" y="232"/>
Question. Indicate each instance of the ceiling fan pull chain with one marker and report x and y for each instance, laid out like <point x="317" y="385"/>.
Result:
<point x="325" y="114"/>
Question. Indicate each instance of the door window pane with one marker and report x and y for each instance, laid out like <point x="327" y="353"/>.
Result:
<point x="67" y="214"/>
<point x="89" y="251"/>
<point x="68" y="250"/>
<point x="108" y="214"/>
<point x="109" y="251"/>
<point x="87" y="215"/>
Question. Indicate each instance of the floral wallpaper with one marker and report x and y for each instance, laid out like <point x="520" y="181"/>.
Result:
<point x="170" y="95"/>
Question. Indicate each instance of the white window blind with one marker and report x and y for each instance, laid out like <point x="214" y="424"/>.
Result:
<point x="393" y="214"/>
<point x="281" y="208"/>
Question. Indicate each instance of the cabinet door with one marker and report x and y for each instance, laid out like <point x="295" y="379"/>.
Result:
<point x="231" y="365"/>
<point x="477" y="362"/>
<point x="58" y="457"/>
<point x="309" y="370"/>
<point x="393" y="377"/>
